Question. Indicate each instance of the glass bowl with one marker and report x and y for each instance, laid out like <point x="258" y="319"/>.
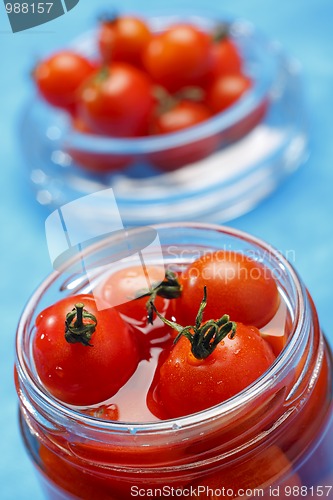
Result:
<point x="258" y="141"/>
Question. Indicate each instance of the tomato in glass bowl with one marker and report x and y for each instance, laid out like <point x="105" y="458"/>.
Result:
<point x="215" y="169"/>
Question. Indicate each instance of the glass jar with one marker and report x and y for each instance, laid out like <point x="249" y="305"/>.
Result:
<point x="275" y="438"/>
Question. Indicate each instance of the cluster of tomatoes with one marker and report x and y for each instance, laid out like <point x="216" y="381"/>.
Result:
<point x="84" y="354"/>
<point x="145" y="83"/>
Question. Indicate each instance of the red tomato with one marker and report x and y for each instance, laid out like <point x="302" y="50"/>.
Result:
<point x="123" y="286"/>
<point x="225" y="90"/>
<point x="96" y="161"/>
<point x="92" y="369"/>
<point x="87" y="481"/>
<point x="69" y="476"/>
<point x="225" y="58"/>
<point x="178" y="57"/>
<point x="268" y="467"/>
<point x="59" y="77"/>
<point x="123" y="39"/>
<point x="187" y="384"/>
<point x="236" y="284"/>
<point x="182" y="115"/>
<point x="117" y="101"/>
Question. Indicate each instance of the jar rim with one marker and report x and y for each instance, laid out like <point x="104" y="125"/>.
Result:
<point x="224" y="408"/>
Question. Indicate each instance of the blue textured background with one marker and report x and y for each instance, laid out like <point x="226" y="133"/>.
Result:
<point x="298" y="217"/>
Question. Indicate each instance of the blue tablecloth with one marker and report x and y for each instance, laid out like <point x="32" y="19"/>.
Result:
<point x="298" y="217"/>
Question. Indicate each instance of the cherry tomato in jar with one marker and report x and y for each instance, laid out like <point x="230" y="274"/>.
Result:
<point x="268" y="467"/>
<point x="209" y="363"/>
<point x="59" y="77"/>
<point x="83" y="356"/>
<point x="234" y="365"/>
<point x="95" y="161"/>
<point x="225" y="90"/>
<point x="130" y="289"/>
<point x="88" y="482"/>
<point x="236" y="284"/>
<point x="178" y="57"/>
<point x="68" y="474"/>
<point x="117" y="101"/>
<point x="124" y="39"/>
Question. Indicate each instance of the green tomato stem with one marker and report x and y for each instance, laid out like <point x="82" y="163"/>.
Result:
<point x="79" y="325"/>
<point x="221" y="32"/>
<point x="169" y="288"/>
<point x="204" y="337"/>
